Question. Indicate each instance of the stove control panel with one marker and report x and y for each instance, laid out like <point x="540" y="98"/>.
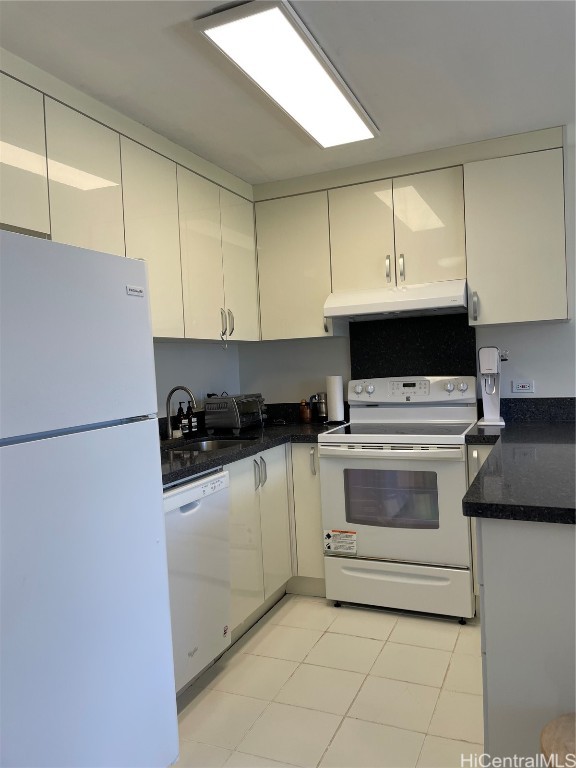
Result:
<point x="420" y="387"/>
<point x="413" y="389"/>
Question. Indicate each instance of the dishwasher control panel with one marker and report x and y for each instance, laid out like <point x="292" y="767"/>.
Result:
<point x="217" y="483"/>
<point x="201" y="488"/>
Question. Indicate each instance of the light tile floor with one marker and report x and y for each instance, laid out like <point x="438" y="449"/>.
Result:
<point x="313" y="685"/>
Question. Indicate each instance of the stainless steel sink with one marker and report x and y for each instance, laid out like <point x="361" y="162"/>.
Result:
<point x="212" y="445"/>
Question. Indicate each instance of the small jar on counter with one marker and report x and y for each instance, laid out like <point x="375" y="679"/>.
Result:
<point x="305" y="412"/>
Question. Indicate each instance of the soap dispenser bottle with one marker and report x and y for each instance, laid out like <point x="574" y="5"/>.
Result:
<point x="190" y="423"/>
<point x="180" y="417"/>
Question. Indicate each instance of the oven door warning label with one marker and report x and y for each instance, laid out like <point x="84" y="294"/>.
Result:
<point x="340" y="542"/>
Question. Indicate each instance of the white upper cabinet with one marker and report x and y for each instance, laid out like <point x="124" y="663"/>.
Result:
<point x="23" y="171"/>
<point x="293" y="265"/>
<point x="200" y="241"/>
<point x="362" y="236"/>
<point x="398" y="231"/>
<point x="218" y="261"/>
<point x="515" y="238"/>
<point x="152" y="233"/>
<point x="429" y="227"/>
<point x="85" y="181"/>
<point x="239" y="261"/>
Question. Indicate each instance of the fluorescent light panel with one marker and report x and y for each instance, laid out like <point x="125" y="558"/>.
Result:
<point x="273" y="49"/>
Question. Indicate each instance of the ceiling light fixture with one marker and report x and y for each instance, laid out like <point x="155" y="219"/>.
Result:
<point x="269" y="43"/>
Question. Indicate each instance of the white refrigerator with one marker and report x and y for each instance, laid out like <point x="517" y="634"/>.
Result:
<point x="86" y="669"/>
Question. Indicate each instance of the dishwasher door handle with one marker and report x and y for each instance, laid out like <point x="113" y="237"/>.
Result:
<point x="191" y="507"/>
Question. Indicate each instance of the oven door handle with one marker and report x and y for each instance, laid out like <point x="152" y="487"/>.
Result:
<point x="405" y="453"/>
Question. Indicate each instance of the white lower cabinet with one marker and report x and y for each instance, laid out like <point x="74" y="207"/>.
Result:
<point x="246" y="572"/>
<point x="260" y="558"/>
<point x="528" y="599"/>
<point x="308" y="510"/>
<point x="477" y="455"/>
<point x="274" y="519"/>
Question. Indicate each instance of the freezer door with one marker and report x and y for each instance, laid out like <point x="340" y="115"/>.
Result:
<point x="75" y="337"/>
<point x="87" y="674"/>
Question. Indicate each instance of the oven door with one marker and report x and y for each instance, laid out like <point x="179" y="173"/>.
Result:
<point x="399" y="503"/>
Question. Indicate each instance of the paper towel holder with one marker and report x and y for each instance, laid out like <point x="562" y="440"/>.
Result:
<point x="335" y="390"/>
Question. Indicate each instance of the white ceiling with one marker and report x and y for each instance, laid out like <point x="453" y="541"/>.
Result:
<point x="431" y="74"/>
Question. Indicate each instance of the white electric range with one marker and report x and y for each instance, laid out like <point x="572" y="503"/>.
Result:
<point x="392" y="483"/>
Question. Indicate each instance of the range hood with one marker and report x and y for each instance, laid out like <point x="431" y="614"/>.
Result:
<point x="406" y="300"/>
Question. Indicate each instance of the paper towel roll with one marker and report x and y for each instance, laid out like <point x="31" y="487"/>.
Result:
<point x="335" y="396"/>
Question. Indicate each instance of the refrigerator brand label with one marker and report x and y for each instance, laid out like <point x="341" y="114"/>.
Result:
<point x="340" y="542"/>
<point x="135" y="290"/>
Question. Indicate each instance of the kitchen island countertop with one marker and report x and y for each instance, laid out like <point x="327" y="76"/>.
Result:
<point x="529" y="475"/>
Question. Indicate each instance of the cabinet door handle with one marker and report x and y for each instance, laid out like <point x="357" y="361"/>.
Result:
<point x="230" y="322"/>
<point x="388" y="277"/>
<point x="312" y="461"/>
<point x="263" y="472"/>
<point x="401" y="267"/>
<point x="476" y="457"/>
<point x="474" y="305"/>
<point x="224" y="326"/>
<point x="257" y="477"/>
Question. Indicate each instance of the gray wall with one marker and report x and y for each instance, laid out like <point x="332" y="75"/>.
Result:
<point x="202" y="366"/>
<point x="287" y="371"/>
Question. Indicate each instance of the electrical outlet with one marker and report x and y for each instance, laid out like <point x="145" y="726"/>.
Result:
<point x="522" y="386"/>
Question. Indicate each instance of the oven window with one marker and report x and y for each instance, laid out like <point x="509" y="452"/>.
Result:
<point x="391" y="498"/>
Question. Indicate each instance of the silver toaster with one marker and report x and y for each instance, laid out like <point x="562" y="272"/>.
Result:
<point x="234" y="412"/>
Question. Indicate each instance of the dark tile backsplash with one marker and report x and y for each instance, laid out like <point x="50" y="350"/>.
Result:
<point x="442" y="345"/>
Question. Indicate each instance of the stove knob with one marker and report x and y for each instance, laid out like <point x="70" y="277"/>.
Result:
<point x="462" y="386"/>
<point x="358" y="388"/>
<point x="370" y="389"/>
<point x="449" y="386"/>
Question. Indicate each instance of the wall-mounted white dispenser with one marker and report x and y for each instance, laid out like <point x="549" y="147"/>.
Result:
<point x="489" y="368"/>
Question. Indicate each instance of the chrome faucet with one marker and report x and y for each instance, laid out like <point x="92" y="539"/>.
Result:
<point x="169" y="433"/>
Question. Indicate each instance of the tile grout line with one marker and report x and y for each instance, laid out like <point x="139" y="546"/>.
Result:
<point x="300" y="662"/>
<point x="353" y="700"/>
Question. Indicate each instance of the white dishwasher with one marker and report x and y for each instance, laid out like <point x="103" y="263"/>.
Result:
<point x="197" y="540"/>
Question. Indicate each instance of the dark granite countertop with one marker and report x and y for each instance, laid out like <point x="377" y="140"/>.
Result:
<point x="529" y="475"/>
<point x="180" y="462"/>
